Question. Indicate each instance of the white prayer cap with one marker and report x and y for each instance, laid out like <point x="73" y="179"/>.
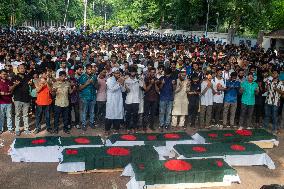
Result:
<point x="114" y="69"/>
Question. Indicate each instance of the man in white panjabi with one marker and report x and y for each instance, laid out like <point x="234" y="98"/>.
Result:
<point x="180" y="105"/>
<point x="114" y="104"/>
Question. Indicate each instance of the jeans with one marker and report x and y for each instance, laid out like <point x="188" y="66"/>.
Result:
<point x="217" y="112"/>
<point x="88" y="106"/>
<point x="39" y="111"/>
<point x="5" y="110"/>
<point x="205" y="111"/>
<point x="75" y="107"/>
<point x="165" y="113"/>
<point x="24" y="108"/>
<point x="193" y="105"/>
<point x="229" y="108"/>
<point x="131" y="116"/>
<point x="149" y="113"/>
<point x="65" y="114"/>
<point x="271" y="111"/>
<point x="246" y="114"/>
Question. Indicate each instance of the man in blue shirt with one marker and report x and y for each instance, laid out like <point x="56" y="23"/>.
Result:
<point x="230" y="99"/>
<point x="87" y="87"/>
<point x="167" y="87"/>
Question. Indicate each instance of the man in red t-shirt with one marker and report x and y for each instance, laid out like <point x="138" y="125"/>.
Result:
<point x="5" y="101"/>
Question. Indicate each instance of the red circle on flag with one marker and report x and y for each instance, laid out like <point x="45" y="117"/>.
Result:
<point x="141" y="166"/>
<point x="71" y="152"/>
<point x="172" y="136"/>
<point x="128" y="137"/>
<point x="212" y="135"/>
<point x="238" y="147"/>
<point x="118" y="151"/>
<point x="178" y="165"/>
<point x="82" y="140"/>
<point x="39" y="141"/>
<point x="228" y="135"/>
<point x="151" y="137"/>
<point x="199" y="149"/>
<point x="244" y="132"/>
<point x="219" y="163"/>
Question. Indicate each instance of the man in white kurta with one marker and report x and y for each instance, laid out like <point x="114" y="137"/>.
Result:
<point x="180" y="106"/>
<point x="114" y="104"/>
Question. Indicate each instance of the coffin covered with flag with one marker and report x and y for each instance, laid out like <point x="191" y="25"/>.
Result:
<point x="84" y="159"/>
<point x="49" y="148"/>
<point x="235" y="154"/>
<point x="180" y="174"/>
<point x="154" y="139"/>
<point x="260" y="137"/>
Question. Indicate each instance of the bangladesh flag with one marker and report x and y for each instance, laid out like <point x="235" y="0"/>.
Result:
<point x="239" y="154"/>
<point x="81" y="141"/>
<point x="153" y="139"/>
<point x="82" y="159"/>
<point x="41" y="149"/>
<point x="230" y="136"/>
<point x="49" y="148"/>
<point x="181" y="173"/>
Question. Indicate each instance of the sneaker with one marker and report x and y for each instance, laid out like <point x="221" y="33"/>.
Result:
<point x="240" y="128"/>
<point x="249" y="128"/>
<point x="27" y="132"/>
<point x="36" y="131"/>
<point x="18" y="133"/>
<point x="77" y="126"/>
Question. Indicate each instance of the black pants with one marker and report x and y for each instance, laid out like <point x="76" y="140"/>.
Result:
<point x="150" y="108"/>
<point x="217" y="112"/>
<point x="58" y="111"/>
<point x="75" y="107"/>
<point x="193" y="105"/>
<point x="101" y="110"/>
<point x="114" y="122"/>
<point x="131" y="116"/>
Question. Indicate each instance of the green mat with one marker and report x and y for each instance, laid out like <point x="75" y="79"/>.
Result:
<point x="182" y="171"/>
<point x="81" y="140"/>
<point x="39" y="141"/>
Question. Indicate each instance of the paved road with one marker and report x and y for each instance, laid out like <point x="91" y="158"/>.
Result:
<point x="45" y="176"/>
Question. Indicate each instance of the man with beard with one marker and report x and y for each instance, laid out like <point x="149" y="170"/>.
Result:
<point x="114" y="104"/>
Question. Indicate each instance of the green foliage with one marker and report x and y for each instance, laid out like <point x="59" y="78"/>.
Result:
<point x="245" y="16"/>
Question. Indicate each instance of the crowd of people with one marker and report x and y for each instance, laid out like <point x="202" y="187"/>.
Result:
<point x="124" y="80"/>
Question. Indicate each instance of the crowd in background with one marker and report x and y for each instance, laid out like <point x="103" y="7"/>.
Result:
<point x="134" y="81"/>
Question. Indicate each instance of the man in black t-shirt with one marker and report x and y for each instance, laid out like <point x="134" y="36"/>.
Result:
<point x="22" y="98"/>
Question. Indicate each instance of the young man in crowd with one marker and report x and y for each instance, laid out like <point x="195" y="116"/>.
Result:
<point x="43" y="102"/>
<point x="275" y="89"/>
<point x="167" y="87"/>
<point x="62" y="89"/>
<point x="5" y="101"/>
<point x="230" y="100"/>
<point x="218" y="97"/>
<point x="132" y="101"/>
<point x="151" y="97"/>
<point x="101" y="96"/>
<point x="21" y="95"/>
<point x="248" y="89"/>
<point x="193" y="100"/>
<point x="87" y="87"/>
<point x="206" y="101"/>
